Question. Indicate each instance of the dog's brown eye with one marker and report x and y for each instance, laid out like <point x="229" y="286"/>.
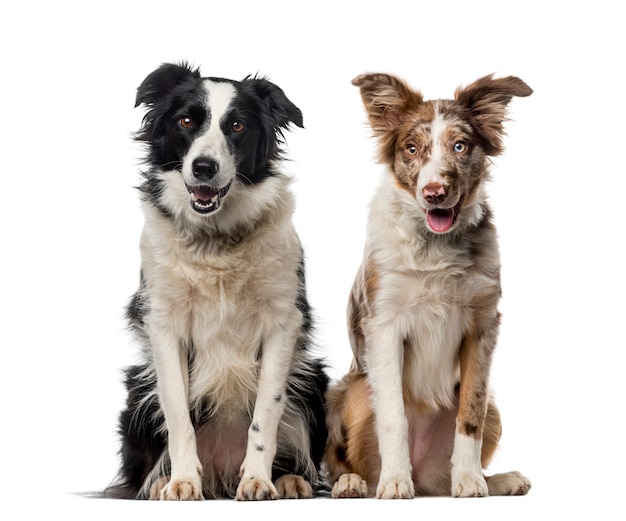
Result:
<point x="185" y="122"/>
<point x="460" y="147"/>
<point x="237" y="126"/>
<point x="411" y="150"/>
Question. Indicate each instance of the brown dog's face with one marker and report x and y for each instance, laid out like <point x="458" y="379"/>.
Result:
<point x="438" y="149"/>
<point x="438" y="160"/>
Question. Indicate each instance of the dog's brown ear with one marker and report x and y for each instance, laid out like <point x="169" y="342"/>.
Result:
<point x="387" y="99"/>
<point x="486" y="102"/>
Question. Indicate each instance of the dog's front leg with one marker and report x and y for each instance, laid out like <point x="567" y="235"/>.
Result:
<point x="467" y="476"/>
<point x="173" y="385"/>
<point x="384" y="361"/>
<point x="256" y="469"/>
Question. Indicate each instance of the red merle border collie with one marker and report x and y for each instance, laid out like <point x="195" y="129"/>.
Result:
<point x="414" y="416"/>
<point x="228" y="398"/>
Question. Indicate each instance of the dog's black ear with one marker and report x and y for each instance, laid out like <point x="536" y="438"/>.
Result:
<point x="277" y="106"/>
<point x="276" y="112"/>
<point x="486" y="102"/>
<point x="163" y="80"/>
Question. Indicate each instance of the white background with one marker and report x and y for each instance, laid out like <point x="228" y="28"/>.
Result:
<point x="70" y="224"/>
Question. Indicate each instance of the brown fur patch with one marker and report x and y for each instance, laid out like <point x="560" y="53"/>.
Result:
<point x="363" y="293"/>
<point x="492" y="433"/>
<point x="353" y="447"/>
<point x="388" y="101"/>
<point x="486" y="100"/>
<point x="291" y="486"/>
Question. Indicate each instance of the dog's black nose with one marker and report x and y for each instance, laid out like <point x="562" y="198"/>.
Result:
<point x="204" y="168"/>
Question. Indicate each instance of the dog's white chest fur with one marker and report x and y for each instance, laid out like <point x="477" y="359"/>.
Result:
<point x="221" y="305"/>
<point x="424" y="296"/>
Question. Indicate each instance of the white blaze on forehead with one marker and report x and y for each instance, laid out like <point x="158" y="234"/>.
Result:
<point x="212" y="142"/>
<point x="431" y="171"/>
<point x="219" y="98"/>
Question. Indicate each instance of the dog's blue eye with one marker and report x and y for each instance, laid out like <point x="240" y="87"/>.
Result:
<point x="185" y="122"/>
<point x="460" y="147"/>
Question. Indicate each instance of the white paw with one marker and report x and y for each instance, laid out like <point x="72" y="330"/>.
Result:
<point x="349" y="485"/>
<point x="469" y="485"/>
<point x="255" y="489"/>
<point x="395" y="488"/>
<point x="179" y="490"/>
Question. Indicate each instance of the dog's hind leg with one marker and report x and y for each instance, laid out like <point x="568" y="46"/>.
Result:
<point x="291" y="486"/>
<point x="302" y="434"/>
<point x="351" y="456"/>
<point x="349" y="486"/>
<point x="157" y="479"/>
<point x="508" y="483"/>
<point x="492" y="431"/>
<point x="140" y="429"/>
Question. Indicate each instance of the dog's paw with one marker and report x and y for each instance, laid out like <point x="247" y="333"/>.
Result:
<point x="469" y="485"/>
<point x="349" y="485"/>
<point x="508" y="484"/>
<point x="157" y="487"/>
<point x="291" y="486"/>
<point x="254" y="489"/>
<point x="395" y="488"/>
<point x="177" y="489"/>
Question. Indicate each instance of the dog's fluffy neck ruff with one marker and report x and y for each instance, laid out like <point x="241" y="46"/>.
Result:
<point x="243" y="209"/>
<point x="395" y="216"/>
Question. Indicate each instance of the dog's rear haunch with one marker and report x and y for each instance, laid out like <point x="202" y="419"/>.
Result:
<point x="228" y="398"/>
<point x="414" y="414"/>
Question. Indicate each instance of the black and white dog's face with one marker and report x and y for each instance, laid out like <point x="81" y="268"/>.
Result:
<point x="212" y="132"/>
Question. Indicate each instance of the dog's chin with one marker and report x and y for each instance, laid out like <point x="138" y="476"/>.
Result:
<point x="443" y="220"/>
<point x="206" y="199"/>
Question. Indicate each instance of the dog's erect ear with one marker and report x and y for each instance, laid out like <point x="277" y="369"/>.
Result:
<point x="163" y="80"/>
<point x="387" y="99"/>
<point x="486" y="102"/>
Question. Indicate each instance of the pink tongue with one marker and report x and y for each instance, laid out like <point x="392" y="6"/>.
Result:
<point x="440" y="220"/>
<point x="204" y="193"/>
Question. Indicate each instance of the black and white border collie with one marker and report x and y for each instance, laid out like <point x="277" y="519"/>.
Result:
<point x="228" y="398"/>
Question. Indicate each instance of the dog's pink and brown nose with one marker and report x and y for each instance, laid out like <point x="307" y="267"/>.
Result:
<point x="204" y="168"/>
<point x="434" y="193"/>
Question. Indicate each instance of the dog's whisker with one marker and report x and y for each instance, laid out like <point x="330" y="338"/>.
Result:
<point x="241" y="177"/>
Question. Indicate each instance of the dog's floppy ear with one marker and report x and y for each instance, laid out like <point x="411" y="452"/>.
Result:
<point x="279" y="108"/>
<point x="153" y="92"/>
<point x="163" y="80"/>
<point x="276" y="112"/>
<point x="387" y="99"/>
<point x="486" y="102"/>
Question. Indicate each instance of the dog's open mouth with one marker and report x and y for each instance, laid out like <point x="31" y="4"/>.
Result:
<point x="441" y="220"/>
<point x="206" y="199"/>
